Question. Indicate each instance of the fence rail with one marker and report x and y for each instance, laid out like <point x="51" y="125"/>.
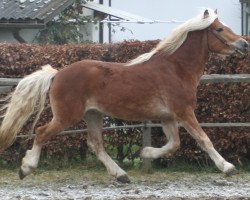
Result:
<point x="145" y="126"/>
<point x="225" y="78"/>
<point x="7" y="83"/>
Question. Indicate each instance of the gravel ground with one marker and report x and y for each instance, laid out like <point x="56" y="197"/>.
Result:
<point x="74" y="184"/>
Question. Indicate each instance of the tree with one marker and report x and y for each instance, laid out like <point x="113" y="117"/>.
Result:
<point x="65" y="28"/>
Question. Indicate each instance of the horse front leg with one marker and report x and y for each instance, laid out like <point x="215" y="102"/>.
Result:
<point x="191" y="124"/>
<point x="94" y="121"/>
<point x="170" y="129"/>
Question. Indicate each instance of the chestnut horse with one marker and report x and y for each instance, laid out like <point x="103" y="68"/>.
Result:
<point x="159" y="85"/>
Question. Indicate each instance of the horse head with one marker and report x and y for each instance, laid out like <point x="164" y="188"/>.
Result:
<point x="221" y="39"/>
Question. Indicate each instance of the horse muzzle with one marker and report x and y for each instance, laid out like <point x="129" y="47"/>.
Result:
<point x="241" y="46"/>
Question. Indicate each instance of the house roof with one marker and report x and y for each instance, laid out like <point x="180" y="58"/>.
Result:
<point x="37" y="13"/>
<point x="30" y="13"/>
<point x="115" y="12"/>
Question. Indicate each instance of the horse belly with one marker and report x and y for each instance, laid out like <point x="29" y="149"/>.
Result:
<point x="133" y="111"/>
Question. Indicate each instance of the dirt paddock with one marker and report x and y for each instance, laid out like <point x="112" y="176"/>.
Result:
<point x="82" y="184"/>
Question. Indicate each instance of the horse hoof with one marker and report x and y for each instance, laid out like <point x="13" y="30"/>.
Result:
<point x="21" y="174"/>
<point x="123" y="179"/>
<point x="231" y="172"/>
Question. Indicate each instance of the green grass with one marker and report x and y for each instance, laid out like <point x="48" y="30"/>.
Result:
<point x="92" y="171"/>
<point x="93" y="164"/>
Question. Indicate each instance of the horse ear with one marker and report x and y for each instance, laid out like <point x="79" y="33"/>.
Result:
<point x="206" y="14"/>
<point x="215" y="11"/>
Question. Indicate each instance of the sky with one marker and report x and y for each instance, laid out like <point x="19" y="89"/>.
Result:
<point x="229" y="12"/>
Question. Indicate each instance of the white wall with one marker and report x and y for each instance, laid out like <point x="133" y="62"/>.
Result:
<point x="229" y="12"/>
<point x="6" y="36"/>
<point x="90" y="31"/>
<point x="27" y="34"/>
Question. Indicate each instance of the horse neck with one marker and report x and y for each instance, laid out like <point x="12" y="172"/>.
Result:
<point x="192" y="55"/>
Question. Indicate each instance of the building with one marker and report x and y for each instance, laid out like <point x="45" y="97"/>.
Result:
<point x="245" y="17"/>
<point x="21" y="20"/>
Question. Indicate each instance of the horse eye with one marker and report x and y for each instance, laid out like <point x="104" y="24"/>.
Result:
<point x="219" y="29"/>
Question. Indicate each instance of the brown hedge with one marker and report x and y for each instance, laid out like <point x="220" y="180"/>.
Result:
<point x="216" y="102"/>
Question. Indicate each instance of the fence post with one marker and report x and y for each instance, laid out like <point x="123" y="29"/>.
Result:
<point x="146" y="141"/>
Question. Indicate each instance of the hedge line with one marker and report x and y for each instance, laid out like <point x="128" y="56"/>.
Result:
<point x="216" y="102"/>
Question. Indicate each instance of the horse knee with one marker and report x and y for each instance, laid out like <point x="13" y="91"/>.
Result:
<point x="91" y="145"/>
<point x="204" y="142"/>
<point x="95" y="145"/>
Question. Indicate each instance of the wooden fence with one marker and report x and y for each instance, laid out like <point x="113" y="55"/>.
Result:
<point x="6" y="85"/>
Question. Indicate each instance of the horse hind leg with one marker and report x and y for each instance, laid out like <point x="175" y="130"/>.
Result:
<point x="67" y="110"/>
<point x="94" y="121"/>
<point x="31" y="159"/>
<point x="170" y="129"/>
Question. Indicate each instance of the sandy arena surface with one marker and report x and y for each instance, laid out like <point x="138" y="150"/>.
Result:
<point x="74" y="184"/>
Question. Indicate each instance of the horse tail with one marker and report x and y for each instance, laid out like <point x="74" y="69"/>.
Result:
<point x="29" y="97"/>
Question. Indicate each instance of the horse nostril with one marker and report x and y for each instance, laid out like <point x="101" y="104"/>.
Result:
<point x="243" y="44"/>
<point x="246" y="44"/>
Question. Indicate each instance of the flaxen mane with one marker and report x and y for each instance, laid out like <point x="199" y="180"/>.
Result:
<point x="171" y="43"/>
